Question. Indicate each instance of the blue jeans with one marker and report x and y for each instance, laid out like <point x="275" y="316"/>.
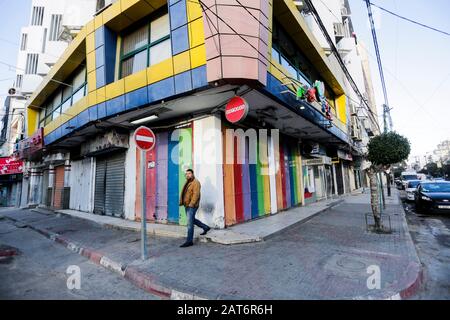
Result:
<point x="190" y="214"/>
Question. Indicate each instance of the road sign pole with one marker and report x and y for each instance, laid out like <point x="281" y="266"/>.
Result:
<point x="145" y="141"/>
<point x="143" y="208"/>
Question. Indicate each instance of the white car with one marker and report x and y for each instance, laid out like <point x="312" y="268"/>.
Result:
<point x="410" y="188"/>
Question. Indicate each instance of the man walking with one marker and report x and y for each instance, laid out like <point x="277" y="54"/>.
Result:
<point x="190" y="199"/>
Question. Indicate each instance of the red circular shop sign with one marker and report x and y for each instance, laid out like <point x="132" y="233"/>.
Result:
<point x="145" y="138"/>
<point x="236" y="109"/>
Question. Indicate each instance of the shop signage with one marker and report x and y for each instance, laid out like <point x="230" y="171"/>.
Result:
<point x="10" y="165"/>
<point x="25" y="148"/>
<point x="317" y="161"/>
<point x="236" y="109"/>
<point x="109" y="141"/>
<point x="344" y="155"/>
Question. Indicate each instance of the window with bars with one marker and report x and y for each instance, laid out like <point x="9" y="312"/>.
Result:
<point x="74" y="89"/>
<point x="19" y="81"/>
<point x="37" y="16"/>
<point x="23" y="42"/>
<point x="32" y="63"/>
<point x="55" y="27"/>
<point x="146" y="45"/>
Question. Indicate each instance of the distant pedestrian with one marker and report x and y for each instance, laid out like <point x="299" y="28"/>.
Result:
<point x="190" y="199"/>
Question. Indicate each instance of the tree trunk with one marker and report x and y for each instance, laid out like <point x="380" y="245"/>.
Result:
<point x="374" y="198"/>
<point x="388" y="178"/>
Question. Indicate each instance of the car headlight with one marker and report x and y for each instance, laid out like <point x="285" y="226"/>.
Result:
<point x="426" y="198"/>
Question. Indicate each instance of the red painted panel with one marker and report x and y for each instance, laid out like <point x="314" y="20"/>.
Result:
<point x="239" y="206"/>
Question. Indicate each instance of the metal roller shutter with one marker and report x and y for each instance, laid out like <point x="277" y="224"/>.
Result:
<point x="115" y="185"/>
<point x="110" y="185"/>
<point x="99" y="196"/>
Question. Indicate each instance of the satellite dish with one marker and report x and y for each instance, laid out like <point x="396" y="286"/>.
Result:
<point x="12" y="91"/>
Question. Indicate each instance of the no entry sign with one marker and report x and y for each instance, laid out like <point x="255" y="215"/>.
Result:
<point x="145" y="138"/>
<point x="236" y="109"/>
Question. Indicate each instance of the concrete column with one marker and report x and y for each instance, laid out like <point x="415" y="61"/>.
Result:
<point x="335" y="180"/>
<point x="67" y="173"/>
<point x="343" y="177"/>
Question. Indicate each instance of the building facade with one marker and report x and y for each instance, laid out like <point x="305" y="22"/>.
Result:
<point x="53" y="24"/>
<point x="175" y="66"/>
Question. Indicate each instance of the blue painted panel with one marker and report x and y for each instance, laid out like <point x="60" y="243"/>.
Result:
<point x="101" y="110"/>
<point x="110" y="55"/>
<point x="199" y="78"/>
<point x="177" y="13"/>
<point x="73" y="123"/>
<point x="115" y="105"/>
<point x="100" y="56"/>
<point x="136" y="98"/>
<point x="171" y="2"/>
<point x="254" y="190"/>
<point x="100" y="75"/>
<point x="161" y="90"/>
<point x="93" y="113"/>
<point x="180" y="40"/>
<point x="83" y="118"/>
<point x="66" y="128"/>
<point x="183" y="82"/>
<point x="99" y="37"/>
<point x="172" y="182"/>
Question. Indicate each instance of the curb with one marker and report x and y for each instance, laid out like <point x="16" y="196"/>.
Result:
<point x="139" y="279"/>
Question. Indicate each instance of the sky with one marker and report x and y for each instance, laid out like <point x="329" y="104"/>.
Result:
<point x="416" y="62"/>
<point x="13" y="16"/>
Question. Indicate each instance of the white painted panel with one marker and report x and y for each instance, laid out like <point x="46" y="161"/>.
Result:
<point x="130" y="180"/>
<point x="208" y="170"/>
<point x="272" y="171"/>
<point x="81" y="184"/>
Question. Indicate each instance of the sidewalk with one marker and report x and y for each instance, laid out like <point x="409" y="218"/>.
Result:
<point x="251" y="231"/>
<point x="324" y="258"/>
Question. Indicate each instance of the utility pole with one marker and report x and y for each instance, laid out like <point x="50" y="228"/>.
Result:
<point x="386" y="108"/>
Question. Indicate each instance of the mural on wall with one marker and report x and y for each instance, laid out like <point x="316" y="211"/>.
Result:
<point x="166" y="165"/>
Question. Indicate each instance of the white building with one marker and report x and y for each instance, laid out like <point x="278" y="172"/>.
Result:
<point x="52" y="25"/>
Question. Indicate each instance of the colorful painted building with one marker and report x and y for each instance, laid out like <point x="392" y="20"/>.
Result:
<point x="173" y="66"/>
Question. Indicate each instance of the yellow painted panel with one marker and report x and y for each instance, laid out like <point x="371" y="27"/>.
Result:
<point x="92" y="98"/>
<point x="341" y="102"/>
<point x="92" y="81"/>
<point x="198" y="56"/>
<point x="136" y="80"/>
<point x="90" y="42"/>
<point x="90" y="61"/>
<point x="115" y="89"/>
<point x="117" y="68"/>
<point x="90" y="27"/>
<point x="112" y="12"/>
<point x="181" y="62"/>
<point x="81" y="105"/>
<point x="194" y="10"/>
<point x="160" y="71"/>
<point x="101" y="94"/>
<point x="32" y="121"/>
<point x="196" y="33"/>
<point x="98" y="21"/>
<point x="125" y="4"/>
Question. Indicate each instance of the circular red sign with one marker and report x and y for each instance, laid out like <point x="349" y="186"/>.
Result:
<point x="236" y="109"/>
<point x="145" y="138"/>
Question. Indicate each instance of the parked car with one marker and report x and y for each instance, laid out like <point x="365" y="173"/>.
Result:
<point x="432" y="196"/>
<point x="407" y="176"/>
<point x="411" y="189"/>
<point x="439" y="179"/>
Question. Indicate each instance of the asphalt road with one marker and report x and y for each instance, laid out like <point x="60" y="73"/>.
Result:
<point x="431" y="235"/>
<point x="40" y="271"/>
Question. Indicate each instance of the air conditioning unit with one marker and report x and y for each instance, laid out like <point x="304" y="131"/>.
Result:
<point x="338" y="30"/>
<point x="355" y="129"/>
<point x="345" y="12"/>
<point x="353" y="109"/>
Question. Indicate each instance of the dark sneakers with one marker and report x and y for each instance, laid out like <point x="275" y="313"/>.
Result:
<point x="186" y="244"/>
<point x="205" y="231"/>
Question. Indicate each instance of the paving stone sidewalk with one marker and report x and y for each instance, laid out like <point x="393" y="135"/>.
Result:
<point x="325" y="258"/>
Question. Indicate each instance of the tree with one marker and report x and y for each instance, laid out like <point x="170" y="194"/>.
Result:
<point x="383" y="151"/>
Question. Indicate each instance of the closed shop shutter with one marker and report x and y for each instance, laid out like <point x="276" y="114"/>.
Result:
<point x="115" y="185"/>
<point x="110" y="185"/>
<point x="99" y="196"/>
<point x="59" y="187"/>
<point x="44" y="193"/>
